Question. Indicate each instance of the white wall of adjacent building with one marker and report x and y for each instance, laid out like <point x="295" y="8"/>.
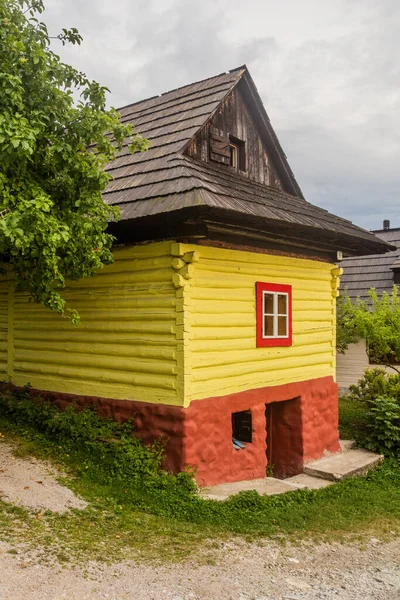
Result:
<point x="351" y="366"/>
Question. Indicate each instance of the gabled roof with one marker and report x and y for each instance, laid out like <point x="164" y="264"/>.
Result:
<point x="165" y="183"/>
<point x="374" y="270"/>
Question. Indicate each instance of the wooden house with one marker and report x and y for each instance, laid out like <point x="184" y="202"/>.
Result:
<point x="217" y="319"/>
<point x="360" y="274"/>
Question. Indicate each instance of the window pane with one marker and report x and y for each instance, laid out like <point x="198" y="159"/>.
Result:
<point x="234" y="156"/>
<point x="282" y="304"/>
<point x="282" y="326"/>
<point x="269" y="326"/>
<point x="268" y="304"/>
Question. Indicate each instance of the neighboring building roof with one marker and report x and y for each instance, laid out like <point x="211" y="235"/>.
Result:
<point x="165" y="183"/>
<point x="372" y="271"/>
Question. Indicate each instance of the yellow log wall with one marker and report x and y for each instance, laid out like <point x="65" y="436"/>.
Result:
<point x="170" y="323"/>
<point x="219" y="329"/>
<point x="126" y="346"/>
<point x="6" y="342"/>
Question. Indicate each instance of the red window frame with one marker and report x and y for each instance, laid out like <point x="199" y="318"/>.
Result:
<point x="261" y="341"/>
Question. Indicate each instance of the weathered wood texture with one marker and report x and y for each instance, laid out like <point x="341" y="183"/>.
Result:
<point x="220" y="322"/>
<point x="126" y="345"/>
<point x="233" y="118"/>
<point x="351" y="366"/>
<point x="219" y="145"/>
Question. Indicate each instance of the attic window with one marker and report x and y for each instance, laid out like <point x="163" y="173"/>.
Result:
<point x="227" y="149"/>
<point x="237" y="153"/>
<point x="234" y="158"/>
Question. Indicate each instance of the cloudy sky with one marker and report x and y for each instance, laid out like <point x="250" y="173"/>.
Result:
<point x="328" y="72"/>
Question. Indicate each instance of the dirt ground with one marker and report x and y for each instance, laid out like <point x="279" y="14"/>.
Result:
<point x="239" y="571"/>
<point x="32" y="484"/>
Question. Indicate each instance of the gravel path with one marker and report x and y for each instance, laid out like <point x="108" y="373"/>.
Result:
<point x="31" y="483"/>
<point x="241" y="572"/>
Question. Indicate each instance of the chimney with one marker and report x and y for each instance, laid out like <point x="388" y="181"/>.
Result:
<point x="386" y="224"/>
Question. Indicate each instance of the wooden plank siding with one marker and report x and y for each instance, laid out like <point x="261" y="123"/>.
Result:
<point x="233" y="117"/>
<point x="350" y="367"/>
<point x="221" y="356"/>
<point x="126" y="345"/>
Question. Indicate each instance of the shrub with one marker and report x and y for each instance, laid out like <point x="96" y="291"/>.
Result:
<point x="377" y="320"/>
<point x="383" y="426"/>
<point x="374" y="384"/>
<point x="104" y="450"/>
<point x="380" y="395"/>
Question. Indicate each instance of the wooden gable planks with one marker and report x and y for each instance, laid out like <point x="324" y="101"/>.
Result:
<point x="219" y="146"/>
<point x="234" y="120"/>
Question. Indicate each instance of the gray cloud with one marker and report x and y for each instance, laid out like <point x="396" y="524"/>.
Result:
<point x="329" y="75"/>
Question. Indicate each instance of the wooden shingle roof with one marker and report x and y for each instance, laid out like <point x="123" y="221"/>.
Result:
<point x="372" y="271"/>
<point x="164" y="182"/>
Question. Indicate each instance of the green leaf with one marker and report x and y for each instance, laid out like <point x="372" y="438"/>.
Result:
<point x="51" y="179"/>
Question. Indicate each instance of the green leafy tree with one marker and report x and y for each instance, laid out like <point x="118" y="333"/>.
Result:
<point x="53" y="152"/>
<point x="346" y="323"/>
<point x="376" y="320"/>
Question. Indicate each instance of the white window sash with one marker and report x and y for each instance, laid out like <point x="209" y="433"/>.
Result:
<point x="275" y="315"/>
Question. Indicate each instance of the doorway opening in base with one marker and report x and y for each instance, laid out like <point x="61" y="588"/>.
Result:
<point x="284" y="438"/>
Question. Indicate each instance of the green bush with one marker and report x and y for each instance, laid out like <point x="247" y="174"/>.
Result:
<point x="376" y="320"/>
<point x="379" y="393"/>
<point x="105" y="450"/>
<point x="383" y="426"/>
<point x="374" y="384"/>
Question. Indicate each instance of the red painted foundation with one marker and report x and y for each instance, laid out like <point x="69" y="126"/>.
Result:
<point x="304" y="428"/>
<point x="300" y="424"/>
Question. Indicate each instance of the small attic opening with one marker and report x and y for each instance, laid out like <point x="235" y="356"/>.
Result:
<point x="227" y="149"/>
<point x="234" y="157"/>
<point x="242" y="426"/>
<point x="237" y="151"/>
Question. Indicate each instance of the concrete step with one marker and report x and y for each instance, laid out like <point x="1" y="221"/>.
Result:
<point x="268" y="486"/>
<point x="308" y="482"/>
<point x="347" y="445"/>
<point x="351" y="463"/>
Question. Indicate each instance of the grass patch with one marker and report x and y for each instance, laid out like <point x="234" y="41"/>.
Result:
<point x="106" y="536"/>
<point x="150" y="515"/>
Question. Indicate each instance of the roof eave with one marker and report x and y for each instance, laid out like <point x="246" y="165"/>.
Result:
<point x="224" y="224"/>
<point x="349" y="245"/>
